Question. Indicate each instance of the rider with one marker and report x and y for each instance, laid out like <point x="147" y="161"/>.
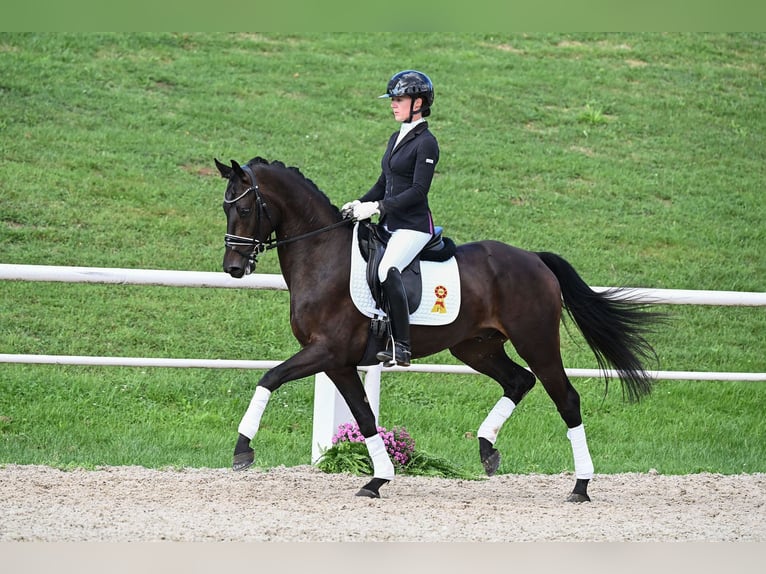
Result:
<point x="400" y="197"/>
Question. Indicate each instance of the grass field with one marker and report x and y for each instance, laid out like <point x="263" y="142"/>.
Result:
<point x="637" y="157"/>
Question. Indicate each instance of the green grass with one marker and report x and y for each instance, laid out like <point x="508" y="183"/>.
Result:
<point x="638" y="157"/>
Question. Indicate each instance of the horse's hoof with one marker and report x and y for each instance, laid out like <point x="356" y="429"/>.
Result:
<point x="577" y="497"/>
<point x="368" y="493"/>
<point x="372" y="488"/>
<point x="243" y="460"/>
<point x="490" y="457"/>
<point x="580" y="491"/>
<point x="491" y="463"/>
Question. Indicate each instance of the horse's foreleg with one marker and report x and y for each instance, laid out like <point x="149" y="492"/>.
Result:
<point x="383" y="468"/>
<point x="308" y="361"/>
<point x="244" y="455"/>
<point x="350" y="387"/>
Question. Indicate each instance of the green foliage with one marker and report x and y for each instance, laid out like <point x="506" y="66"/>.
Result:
<point x="425" y="464"/>
<point x="353" y="458"/>
<point x="349" y="454"/>
<point x="637" y="157"/>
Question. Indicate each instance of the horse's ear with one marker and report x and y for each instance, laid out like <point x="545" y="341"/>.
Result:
<point x="237" y="169"/>
<point x="224" y="170"/>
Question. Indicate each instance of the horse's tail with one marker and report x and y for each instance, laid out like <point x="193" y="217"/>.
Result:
<point x="613" y="325"/>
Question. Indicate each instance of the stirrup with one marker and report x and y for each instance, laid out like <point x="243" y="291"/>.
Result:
<point x="400" y="356"/>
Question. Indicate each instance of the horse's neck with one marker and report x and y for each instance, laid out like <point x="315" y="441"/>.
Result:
<point x="310" y="262"/>
<point x="317" y="263"/>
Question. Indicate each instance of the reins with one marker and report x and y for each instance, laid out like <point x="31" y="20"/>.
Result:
<point x="270" y="244"/>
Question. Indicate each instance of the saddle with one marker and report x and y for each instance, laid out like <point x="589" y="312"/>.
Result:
<point x="373" y="239"/>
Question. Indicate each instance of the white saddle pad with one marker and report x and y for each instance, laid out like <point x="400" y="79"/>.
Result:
<point x="439" y="304"/>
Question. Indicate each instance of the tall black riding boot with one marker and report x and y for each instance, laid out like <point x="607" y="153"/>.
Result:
<point x="399" y="318"/>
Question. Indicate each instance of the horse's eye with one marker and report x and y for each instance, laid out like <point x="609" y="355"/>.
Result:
<point x="244" y="212"/>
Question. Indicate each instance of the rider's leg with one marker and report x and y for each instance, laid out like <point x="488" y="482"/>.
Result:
<point x="399" y="317"/>
<point x="403" y="247"/>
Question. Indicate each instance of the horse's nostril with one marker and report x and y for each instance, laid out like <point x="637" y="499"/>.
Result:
<point x="234" y="270"/>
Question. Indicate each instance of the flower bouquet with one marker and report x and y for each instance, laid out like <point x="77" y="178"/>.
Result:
<point x="349" y="454"/>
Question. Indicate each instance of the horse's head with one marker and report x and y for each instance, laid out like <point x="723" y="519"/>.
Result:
<point x="248" y="225"/>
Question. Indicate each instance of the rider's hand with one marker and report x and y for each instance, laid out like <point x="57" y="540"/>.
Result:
<point x="348" y="208"/>
<point x="365" y="210"/>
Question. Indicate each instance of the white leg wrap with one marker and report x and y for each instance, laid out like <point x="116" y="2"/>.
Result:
<point x="249" y="424"/>
<point x="491" y="426"/>
<point x="582" y="461"/>
<point x="381" y="462"/>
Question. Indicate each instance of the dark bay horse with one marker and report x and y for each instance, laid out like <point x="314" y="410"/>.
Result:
<point x="507" y="294"/>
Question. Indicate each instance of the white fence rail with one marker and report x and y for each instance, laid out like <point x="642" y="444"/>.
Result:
<point x="329" y="408"/>
<point x="267" y="281"/>
<point x="93" y="361"/>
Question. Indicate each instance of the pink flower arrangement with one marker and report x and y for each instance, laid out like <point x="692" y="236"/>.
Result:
<point x="399" y="444"/>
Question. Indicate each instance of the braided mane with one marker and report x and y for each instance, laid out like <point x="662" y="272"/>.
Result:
<point x="294" y="170"/>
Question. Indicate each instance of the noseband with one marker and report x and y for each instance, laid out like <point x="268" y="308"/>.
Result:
<point x="255" y="245"/>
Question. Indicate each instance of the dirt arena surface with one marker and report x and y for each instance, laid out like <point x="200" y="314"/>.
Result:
<point x="303" y="504"/>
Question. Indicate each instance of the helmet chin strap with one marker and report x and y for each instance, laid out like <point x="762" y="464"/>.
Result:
<point x="412" y="111"/>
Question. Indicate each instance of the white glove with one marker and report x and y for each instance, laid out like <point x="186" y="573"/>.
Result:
<point x="347" y="211"/>
<point x="365" y="210"/>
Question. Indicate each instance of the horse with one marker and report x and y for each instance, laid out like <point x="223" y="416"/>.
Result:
<point x="508" y="294"/>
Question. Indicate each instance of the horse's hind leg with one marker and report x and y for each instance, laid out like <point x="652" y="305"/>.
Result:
<point x="547" y="366"/>
<point x="350" y="387"/>
<point x="487" y="355"/>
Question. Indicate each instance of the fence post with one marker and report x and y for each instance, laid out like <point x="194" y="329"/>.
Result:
<point x="330" y="410"/>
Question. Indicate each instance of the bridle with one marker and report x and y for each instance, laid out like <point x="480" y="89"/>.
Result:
<point x="254" y="245"/>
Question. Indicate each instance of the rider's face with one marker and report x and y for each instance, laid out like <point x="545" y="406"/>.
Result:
<point x="400" y="105"/>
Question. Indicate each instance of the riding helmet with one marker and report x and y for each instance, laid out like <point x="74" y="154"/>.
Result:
<point x="411" y="83"/>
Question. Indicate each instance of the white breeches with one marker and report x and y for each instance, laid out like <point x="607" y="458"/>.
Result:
<point x="402" y="248"/>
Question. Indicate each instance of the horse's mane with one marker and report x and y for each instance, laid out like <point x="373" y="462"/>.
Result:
<point x="294" y="170"/>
